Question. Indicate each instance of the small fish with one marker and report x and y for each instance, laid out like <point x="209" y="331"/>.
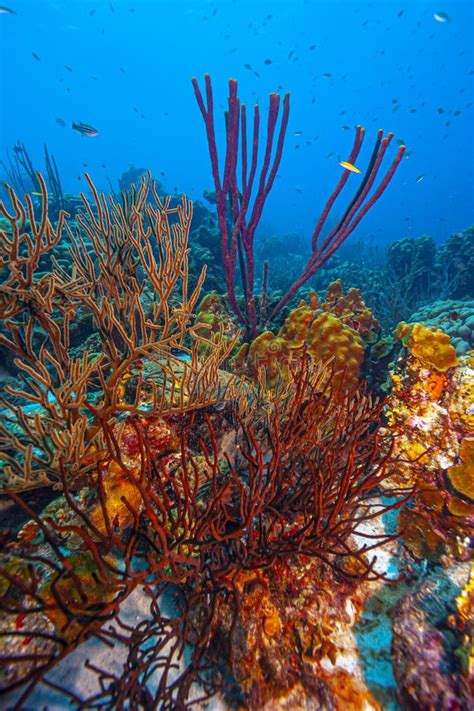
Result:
<point x="297" y="133"/>
<point x="441" y="17"/>
<point x="400" y="13"/>
<point x="419" y="178"/>
<point x="6" y="10"/>
<point x="85" y="130"/>
<point x="313" y="46"/>
<point x="61" y="122"/>
<point x="349" y="166"/>
<point x="66" y="66"/>
<point x="440" y="110"/>
<point x="36" y="56"/>
<point x="327" y="75"/>
<point x="268" y="61"/>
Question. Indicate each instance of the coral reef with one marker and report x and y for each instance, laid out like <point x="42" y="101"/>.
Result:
<point x="431" y="407"/>
<point x="286" y="643"/>
<point x="427" y="669"/>
<point x="212" y="314"/>
<point x="172" y="477"/>
<point x="56" y="436"/>
<point x="432" y="348"/>
<point x="20" y="173"/>
<point x="410" y="264"/>
<point x="454" y="263"/>
<point x="414" y="277"/>
<point x="456" y="318"/>
<point x="234" y="199"/>
<point x="465" y="626"/>
<point x="334" y="331"/>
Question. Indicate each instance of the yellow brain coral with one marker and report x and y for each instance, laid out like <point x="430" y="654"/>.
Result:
<point x="270" y="352"/>
<point x="334" y="330"/>
<point x="351" y="309"/>
<point x="295" y="328"/>
<point x="329" y="339"/>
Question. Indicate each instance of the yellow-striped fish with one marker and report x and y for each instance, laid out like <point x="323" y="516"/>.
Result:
<point x="349" y="166"/>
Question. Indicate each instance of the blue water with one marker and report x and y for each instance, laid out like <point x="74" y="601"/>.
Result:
<point x="392" y="65"/>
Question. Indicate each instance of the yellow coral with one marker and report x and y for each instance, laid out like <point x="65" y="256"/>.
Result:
<point x="269" y="351"/>
<point x="430" y="346"/>
<point x="295" y="328"/>
<point x="329" y="339"/>
<point x="332" y="331"/>
<point x="461" y="476"/>
<point x="83" y="599"/>
<point x="351" y="309"/>
<point x="116" y="485"/>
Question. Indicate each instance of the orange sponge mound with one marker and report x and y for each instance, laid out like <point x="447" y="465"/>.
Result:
<point x="431" y="346"/>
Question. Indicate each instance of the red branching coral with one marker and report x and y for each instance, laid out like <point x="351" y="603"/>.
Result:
<point x="240" y="490"/>
<point x="168" y="476"/>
